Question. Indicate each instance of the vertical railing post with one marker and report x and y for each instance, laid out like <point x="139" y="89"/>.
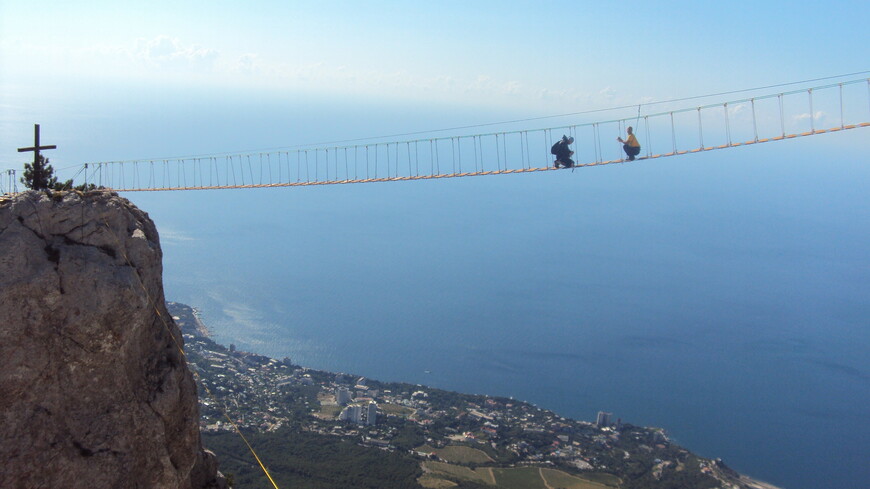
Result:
<point x="842" y="116"/>
<point x="546" y="145"/>
<point x="388" y="160"/>
<point x="648" y="139"/>
<point x="307" y="168"/>
<point x="408" y="147"/>
<point x="727" y="124"/>
<point x="459" y="153"/>
<point x="298" y="166"/>
<point x="355" y="159"/>
<point x="620" y="130"/>
<point x="497" y="155"/>
<point x="504" y="149"/>
<point x="417" y="157"/>
<point x="754" y="123"/>
<point x="524" y="144"/>
<point x="596" y="142"/>
<point x="367" y="162"/>
<point x="437" y="159"/>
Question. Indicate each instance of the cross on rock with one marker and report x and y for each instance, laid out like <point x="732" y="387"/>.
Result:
<point x="36" y="147"/>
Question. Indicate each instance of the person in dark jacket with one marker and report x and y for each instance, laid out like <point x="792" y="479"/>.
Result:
<point x="563" y="153"/>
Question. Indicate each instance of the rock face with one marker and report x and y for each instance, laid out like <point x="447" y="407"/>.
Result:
<point x="94" y="390"/>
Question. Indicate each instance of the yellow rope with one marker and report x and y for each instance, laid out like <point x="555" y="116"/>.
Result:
<point x="494" y="172"/>
<point x="181" y="350"/>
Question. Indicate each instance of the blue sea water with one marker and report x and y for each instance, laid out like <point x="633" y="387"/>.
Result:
<point x="722" y="296"/>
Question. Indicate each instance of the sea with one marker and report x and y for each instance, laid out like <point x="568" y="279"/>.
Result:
<point x="723" y="296"/>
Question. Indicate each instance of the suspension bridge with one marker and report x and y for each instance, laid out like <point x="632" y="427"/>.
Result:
<point x="680" y="131"/>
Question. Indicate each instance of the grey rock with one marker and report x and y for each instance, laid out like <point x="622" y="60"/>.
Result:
<point x="94" y="389"/>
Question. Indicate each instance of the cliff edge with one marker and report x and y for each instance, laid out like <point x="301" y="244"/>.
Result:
<point x="94" y="391"/>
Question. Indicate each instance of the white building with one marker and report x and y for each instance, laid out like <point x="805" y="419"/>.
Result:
<point x="372" y="414"/>
<point x="356" y="413"/>
<point x="342" y="396"/>
<point x="352" y="413"/>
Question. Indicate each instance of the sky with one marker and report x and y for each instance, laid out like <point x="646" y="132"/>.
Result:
<point x="502" y="58"/>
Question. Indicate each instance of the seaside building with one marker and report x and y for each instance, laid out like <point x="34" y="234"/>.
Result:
<point x="372" y="414"/>
<point x="352" y="413"/>
<point x="342" y="396"/>
<point x="357" y="413"/>
<point x="603" y="419"/>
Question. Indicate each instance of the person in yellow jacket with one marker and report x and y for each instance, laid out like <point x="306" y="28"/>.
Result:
<point x="630" y="145"/>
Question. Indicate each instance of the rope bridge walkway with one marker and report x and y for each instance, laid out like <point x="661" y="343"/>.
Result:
<point x="772" y="117"/>
<point x="730" y="124"/>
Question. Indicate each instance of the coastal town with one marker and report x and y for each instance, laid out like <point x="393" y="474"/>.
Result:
<point x="444" y="430"/>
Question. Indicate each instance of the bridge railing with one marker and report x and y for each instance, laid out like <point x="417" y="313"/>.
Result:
<point x="682" y="130"/>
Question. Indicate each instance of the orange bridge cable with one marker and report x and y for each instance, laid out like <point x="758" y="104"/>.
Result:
<point x="175" y="340"/>
<point x="501" y="171"/>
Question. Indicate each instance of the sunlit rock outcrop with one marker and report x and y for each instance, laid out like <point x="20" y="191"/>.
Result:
<point x="94" y="391"/>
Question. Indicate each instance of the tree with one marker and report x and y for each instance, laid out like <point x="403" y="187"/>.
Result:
<point x="39" y="175"/>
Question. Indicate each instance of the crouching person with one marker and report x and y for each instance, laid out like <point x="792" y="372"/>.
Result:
<point x="630" y="145"/>
<point x="563" y="153"/>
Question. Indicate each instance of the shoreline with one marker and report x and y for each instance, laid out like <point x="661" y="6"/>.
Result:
<point x="202" y="330"/>
<point x="757" y="484"/>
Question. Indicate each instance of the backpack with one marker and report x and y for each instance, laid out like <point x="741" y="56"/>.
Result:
<point x="555" y="149"/>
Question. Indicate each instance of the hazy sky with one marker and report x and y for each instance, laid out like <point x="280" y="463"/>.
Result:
<point x="528" y="58"/>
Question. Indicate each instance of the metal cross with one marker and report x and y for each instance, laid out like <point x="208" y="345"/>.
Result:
<point x="36" y="147"/>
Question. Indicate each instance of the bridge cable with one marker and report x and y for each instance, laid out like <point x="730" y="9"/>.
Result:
<point x="478" y="140"/>
<point x="530" y="119"/>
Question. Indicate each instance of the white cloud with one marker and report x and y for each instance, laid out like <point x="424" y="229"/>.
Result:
<point x="165" y="51"/>
<point x="607" y="93"/>
<point x="818" y="115"/>
<point x="172" y="59"/>
<point x="512" y="87"/>
<point x="247" y="63"/>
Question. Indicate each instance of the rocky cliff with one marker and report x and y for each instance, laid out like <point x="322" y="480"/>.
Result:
<point x="94" y="391"/>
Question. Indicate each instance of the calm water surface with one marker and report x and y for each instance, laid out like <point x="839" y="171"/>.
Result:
<point x="723" y="296"/>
